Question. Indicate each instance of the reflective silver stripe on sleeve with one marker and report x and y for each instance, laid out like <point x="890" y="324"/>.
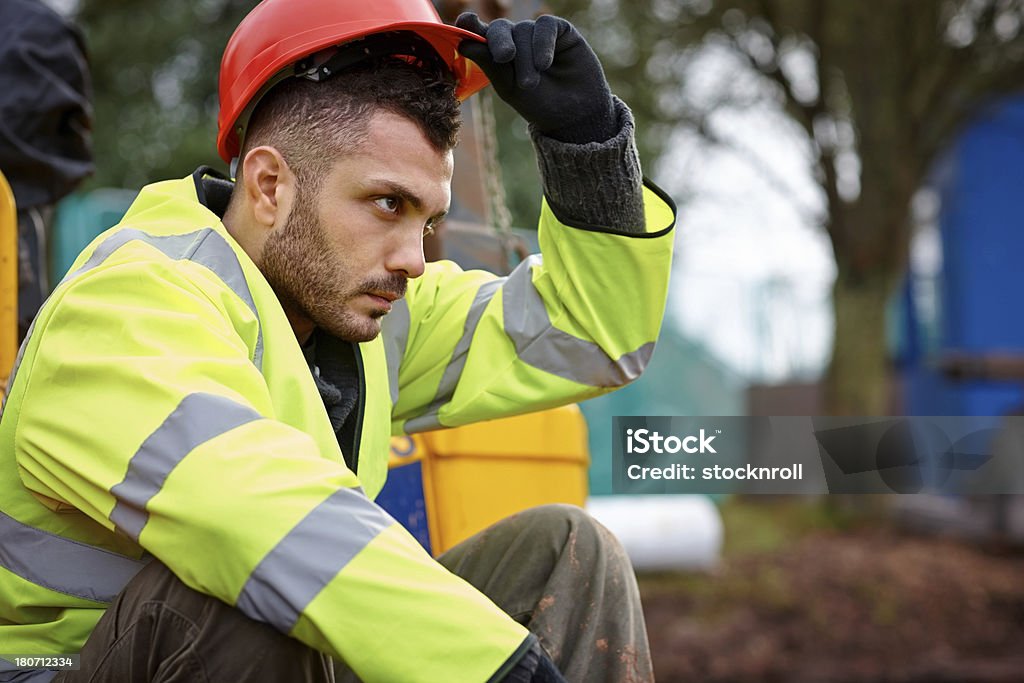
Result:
<point x="63" y="565"/>
<point x="291" y="575"/>
<point x="457" y="363"/>
<point x="196" y="420"/>
<point x="539" y="344"/>
<point x="205" y="247"/>
<point x="395" y="333"/>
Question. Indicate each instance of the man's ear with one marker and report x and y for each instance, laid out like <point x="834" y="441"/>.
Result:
<point x="269" y="186"/>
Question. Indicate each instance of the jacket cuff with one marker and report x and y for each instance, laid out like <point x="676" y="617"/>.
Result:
<point x="598" y="183"/>
<point x="512" y="662"/>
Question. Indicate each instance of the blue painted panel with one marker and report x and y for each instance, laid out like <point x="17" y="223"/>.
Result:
<point x="982" y="230"/>
<point x="402" y="497"/>
<point x="982" y="224"/>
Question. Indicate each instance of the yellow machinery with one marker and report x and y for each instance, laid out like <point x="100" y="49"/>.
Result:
<point x="446" y="485"/>
<point x="8" y="281"/>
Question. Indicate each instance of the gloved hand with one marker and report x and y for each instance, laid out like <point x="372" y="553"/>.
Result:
<point x="534" y="667"/>
<point x="547" y="72"/>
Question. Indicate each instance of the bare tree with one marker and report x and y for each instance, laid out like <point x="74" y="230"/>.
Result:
<point x="880" y="88"/>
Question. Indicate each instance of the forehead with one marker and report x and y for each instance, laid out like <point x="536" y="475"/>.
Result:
<point x="395" y="143"/>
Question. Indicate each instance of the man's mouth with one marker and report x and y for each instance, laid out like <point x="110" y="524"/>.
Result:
<point x="390" y="297"/>
<point x="382" y="301"/>
<point x="383" y="292"/>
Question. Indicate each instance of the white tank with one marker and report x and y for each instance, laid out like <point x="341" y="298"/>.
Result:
<point x="661" y="531"/>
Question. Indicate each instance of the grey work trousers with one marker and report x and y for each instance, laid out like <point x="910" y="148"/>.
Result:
<point x="552" y="568"/>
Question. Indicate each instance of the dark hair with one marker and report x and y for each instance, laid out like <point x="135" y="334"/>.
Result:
<point x="312" y="124"/>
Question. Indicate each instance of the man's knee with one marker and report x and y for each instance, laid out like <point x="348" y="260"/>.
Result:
<point x="572" y="529"/>
<point x="531" y="546"/>
<point x="555" y="519"/>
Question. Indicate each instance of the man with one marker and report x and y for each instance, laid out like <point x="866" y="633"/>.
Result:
<point x="209" y="392"/>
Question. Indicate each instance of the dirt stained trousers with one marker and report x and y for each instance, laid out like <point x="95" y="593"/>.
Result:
<point x="552" y="568"/>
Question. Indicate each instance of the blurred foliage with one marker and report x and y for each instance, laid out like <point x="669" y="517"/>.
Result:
<point x="154" y="68"/>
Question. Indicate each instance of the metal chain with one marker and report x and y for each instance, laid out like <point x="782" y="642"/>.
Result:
<point x="498" y="214"/>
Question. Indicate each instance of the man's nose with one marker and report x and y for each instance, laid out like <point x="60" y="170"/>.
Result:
<point x="406" y="255"/>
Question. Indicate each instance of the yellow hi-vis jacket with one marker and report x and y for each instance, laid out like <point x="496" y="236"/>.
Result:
<point x="162" y="406"/>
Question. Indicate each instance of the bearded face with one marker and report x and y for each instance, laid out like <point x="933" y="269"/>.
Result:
<point x="315" y="281"/>
<point x="345" y="252"/>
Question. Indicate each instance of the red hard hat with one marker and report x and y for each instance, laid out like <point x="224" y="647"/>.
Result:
<point x="278" y="33"/>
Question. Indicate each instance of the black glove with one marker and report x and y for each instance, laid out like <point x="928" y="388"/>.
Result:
<point x="546" y="71"/>
<point x="534" y="667"/>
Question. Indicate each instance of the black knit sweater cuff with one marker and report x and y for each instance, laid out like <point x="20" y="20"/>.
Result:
<point x="595" y="183"/>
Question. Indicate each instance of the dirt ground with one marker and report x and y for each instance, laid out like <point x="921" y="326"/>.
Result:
<point x="866" y="603"/>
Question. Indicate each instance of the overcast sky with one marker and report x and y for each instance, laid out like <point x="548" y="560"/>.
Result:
<point x="754" y="267"/>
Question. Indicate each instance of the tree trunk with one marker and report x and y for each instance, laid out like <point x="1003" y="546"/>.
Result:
<point x="857" y="381"/>
<point x="871" y="242"/>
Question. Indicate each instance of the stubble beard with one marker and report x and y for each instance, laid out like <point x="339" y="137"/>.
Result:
<point x="311" y="281"/>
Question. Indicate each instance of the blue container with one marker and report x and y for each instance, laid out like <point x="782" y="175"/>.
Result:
<point x="982" y="231"/>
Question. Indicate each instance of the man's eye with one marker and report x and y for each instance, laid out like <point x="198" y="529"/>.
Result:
<point x="428" y="229"/>
<point x="389" y="204"/>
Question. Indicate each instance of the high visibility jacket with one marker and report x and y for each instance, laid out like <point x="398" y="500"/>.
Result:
<point x="162" y="406"/>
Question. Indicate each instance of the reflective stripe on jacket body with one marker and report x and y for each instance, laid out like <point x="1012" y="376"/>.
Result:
<point x="163" y="403"/>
